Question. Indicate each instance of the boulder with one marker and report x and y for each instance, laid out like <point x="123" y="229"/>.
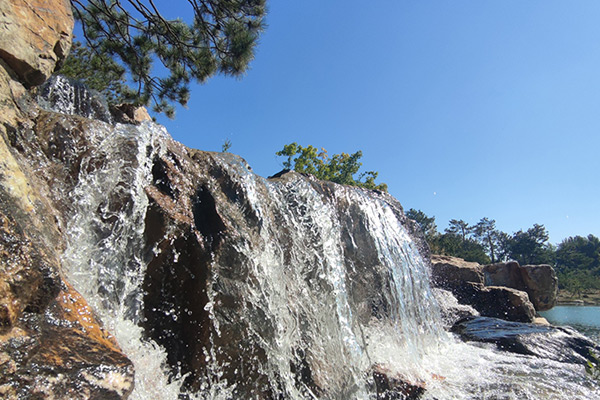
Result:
<point x="452" y="272"/>
<point x="63" y="353"/>
<point x="51" y="343"/>
<point x="539" y="281"/>
<point x="129" y="114"/>
<point x="35" y="36"/>
<point x="497" y="301"/>
<point x="465" y="280"/>
<point x="503" y="274"/>
<point x="393" y="386"/>
<point x="561" y="344"/>
<point x="541" y="284"/>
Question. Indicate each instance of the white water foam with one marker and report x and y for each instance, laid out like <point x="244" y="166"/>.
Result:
<point x="302" y="288"/>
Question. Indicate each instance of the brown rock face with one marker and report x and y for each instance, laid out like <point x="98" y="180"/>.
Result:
<point x="232" y="255"/>
<point x="498" y="298"/>
<point x="63" y="354"/>
<point x="35" y="35"/>
<point x="51" y="344"/>
<point x="129" y="114"/>
<point x="504" y="274"/>
<point x="541" y="284"/>
<point x="452" y="272"/>
<point x="392" y="386"/>
<point x="539" y="281"/>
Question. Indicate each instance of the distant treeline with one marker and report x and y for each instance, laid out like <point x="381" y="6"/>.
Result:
<point x="576" y="259"/>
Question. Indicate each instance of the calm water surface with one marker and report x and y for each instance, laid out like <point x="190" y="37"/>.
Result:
<point x="586" y="319"/>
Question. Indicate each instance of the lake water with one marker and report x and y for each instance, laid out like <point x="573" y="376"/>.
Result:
<point x="586" y="319"/>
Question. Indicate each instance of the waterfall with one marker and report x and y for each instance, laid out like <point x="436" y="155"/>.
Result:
<point x="332" y="285"/>
<point x="104" y="258"/>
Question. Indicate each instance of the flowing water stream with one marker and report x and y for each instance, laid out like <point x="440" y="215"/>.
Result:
<point x="302" y="287"/>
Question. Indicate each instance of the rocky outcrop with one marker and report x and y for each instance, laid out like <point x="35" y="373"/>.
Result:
<point x="466" y="282"/>
<point x="539" y="281"/>
<point x="35" y="35"/>
<point x="503" y="290"/>
<point x="51" y="343"/>
<point x="452" y="272"/>
<point x="497" y="302"/>
<point x="129" y="114"/>
<point x="391" y="386"/>
<point x="62" y="353"/>
<point x="560" y="344"/>
<point x="452" y="311"/>
<point x="210" y="217"/>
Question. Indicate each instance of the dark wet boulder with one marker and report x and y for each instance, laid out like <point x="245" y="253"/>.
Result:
<point x="497" y="301"/>
<point x="63" y="353"/>
<point x="561" y="344"/>
<point x="393" y="386"/>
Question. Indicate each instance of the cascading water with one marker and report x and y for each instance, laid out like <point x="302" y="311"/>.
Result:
<point x="301" y="284"/>
<point x="333" y="285"/>
<point x="104" y="258"/>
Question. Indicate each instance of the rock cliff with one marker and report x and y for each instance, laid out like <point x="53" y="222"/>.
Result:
<point x="210" y="278"/>
<point x="51" y="344"/>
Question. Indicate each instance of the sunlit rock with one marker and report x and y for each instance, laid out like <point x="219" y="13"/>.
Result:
<point x="35" y="35"/>
<point x="539" y="281"/>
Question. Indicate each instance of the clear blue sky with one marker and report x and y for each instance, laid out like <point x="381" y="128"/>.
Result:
<point x="467" y="109"/>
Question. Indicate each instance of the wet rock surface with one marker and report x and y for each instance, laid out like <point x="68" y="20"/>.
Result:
<point x="51" y="343"/>
<point x="63" y="353"/>
<point x="451" y="273"/>
<point x="390" y="386"/>
<point x="497" y="302"/>
<point x="550" y="342"/>
<point x="202" y="223"/>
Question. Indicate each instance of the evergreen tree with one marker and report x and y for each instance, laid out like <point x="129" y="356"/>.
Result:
<point x="339" y="168"/>
<point x="452" y="244"/>
<point x="124" y="39"/>
<point x="426" y="223"/>
<point x="485" y="231"/>
<point x="578" y="264"/>
<point x="531" y="246"/>
<point x="459" y="227"/>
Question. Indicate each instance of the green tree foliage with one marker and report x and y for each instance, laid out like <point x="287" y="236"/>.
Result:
<point x="226" y="146"/>
<point x="339" y="168"/>
<point x="426" y="223"/>
<point x="485" y="232"/>
<point x="578" y="264"/>
<point x="125" y="39"/>
<point x="530" y="247"/>
<point x="459" y="227"/>
<point x="98" y="72"/>
<point x="456" y="240"/>
<point x="579" y="253"/>
<point x="452" y="244"/>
